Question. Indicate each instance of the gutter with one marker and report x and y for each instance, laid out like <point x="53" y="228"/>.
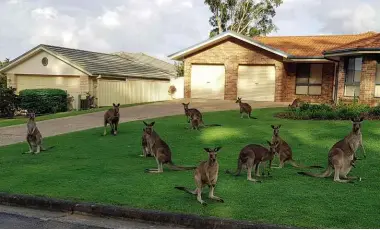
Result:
<point x="341" y="51"/>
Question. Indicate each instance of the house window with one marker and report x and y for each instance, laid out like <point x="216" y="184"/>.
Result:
<point x="353" y="74"/>
<point x="309" y="79"/>
<point x="377" y="81"/>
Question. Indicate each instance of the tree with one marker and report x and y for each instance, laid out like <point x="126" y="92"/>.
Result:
<point x="180" y="69"/>
<point x="3" y="79"/>
<point x="247" y="17"/>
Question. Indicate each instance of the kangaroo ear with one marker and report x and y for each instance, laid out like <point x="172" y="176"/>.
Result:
<point x="183" y="103"/>
<point x="118" y="104"/>
<point x="279" y="126"/>
<point x="113" y="104"/>
<point x="207" y="149"/>
<point x="352" y="119"/>
<point x="272" y="126"/>
<point x="151" y="124"/>
<point x="361" y="119"/>
<point x="270" y="144"/>
<point x="145" y="123"/>
<point x="217" y="149"/>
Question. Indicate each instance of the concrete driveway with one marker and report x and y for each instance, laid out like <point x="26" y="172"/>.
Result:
<point x="16" y="134"/>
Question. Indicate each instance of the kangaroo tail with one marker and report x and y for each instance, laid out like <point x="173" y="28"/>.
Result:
<point x="249" y="114"/>
<point x="185" y="189"/>
<point x="326" y="173"/>
<point x="212" y="125"/>
<point x="296" y="165"/>
<point x="238" y="170"/>
<point x="45" y="149"/>
<point x="172" y="166"/>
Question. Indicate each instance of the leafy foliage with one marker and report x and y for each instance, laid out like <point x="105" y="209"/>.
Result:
<point x="44" y="101"/>
<point x="247" y="17"/>
<point x="327" y="112"/>
<point x="9" y="102"/>
<point x="3" y="79"/>
<point x="180" y="69"/>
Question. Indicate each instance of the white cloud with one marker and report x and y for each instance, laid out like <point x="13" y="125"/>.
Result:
<point x="110" y="19"/>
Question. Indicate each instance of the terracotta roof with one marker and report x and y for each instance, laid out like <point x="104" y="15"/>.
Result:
<point x="372" y="42"/>
<point x="311" y="46"/>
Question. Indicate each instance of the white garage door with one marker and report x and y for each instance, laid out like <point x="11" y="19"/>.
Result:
<point x="70" y="84"/>
<point x="256" y="83"/>
<point x="207" y="81"/>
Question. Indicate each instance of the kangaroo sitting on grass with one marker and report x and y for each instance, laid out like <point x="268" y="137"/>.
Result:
<point x="160" y="150"/>
<point x="33" y="136"/>
<point x="196" y="122"/>
<point x="284" y="150"/>
<point x="296" y="104"/>
<point x="191" y="112"/>
<point x="112" y="117"/>
<point x="206" y="174"/>
<point x="341" y="157"/>
<point x="252" y="156"/>
<point x="245" y="108"/>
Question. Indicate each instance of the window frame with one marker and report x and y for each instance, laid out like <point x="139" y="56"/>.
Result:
<point x="377" y="75"/>
<point x="308" y="84"/>
<point x="353" y="71"/>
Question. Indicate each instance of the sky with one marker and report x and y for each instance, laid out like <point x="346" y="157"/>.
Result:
<point x="158" y="27"/>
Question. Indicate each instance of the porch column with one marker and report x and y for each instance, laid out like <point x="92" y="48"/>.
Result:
<point x="231" y="78"/>
<point x="84" y="85"/>
<point x="187" y="79"/>
<point x="367" y="80"/>
<point x="341" y="76"/>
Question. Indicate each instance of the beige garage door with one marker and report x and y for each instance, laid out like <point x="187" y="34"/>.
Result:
<point x="207" y="81"/>
<point x="256" y="83"/>
<point x="70" y="84"/>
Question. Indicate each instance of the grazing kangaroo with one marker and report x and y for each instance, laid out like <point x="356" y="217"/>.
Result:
<point x="160" y="150"/>
<point x="145" y="147"/>
<point x="197" y="122"/>
<point x="33" y="136"/>
<point x="206" y="174"/>
<point x="244" y="108"/>
<point x="296" y="103"/>
<point x="285" y="151"/>
<point x="190" y="112"/>
<point x="341" y="157"/>
<point x="112" y="117"/>
<point x="252" y="156"/>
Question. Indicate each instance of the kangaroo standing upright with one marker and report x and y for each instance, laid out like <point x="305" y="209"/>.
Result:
<point x="284" y="150"/>
<point x="206" y="174"/>
<point x="160" y="150"/>
<point x="252" y="156"/>
<point x="191" y="112"/>
<point x="341" y="157"/>
<point x="112" y="117"/>
<point x="33" y="136"/>
<point x="245" y="108"/>
<point x="145" y="147"/>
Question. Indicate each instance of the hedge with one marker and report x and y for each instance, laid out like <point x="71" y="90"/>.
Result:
<point x="327" y="112"/>
<point x="44" y="101"/>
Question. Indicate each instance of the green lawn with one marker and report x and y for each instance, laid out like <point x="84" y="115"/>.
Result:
<point x="88" y="167"/>
<point x="23" y="120"/>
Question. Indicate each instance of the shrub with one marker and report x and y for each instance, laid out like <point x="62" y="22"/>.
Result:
<point x="44" y="101"/>
<point x="9" y="102"/>
<point x="172" y="90"/>
<point x="375" y="111"/>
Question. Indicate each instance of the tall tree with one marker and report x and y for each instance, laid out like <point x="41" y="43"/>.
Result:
<point x="247" y="17"/>
<point x="3" y="79"/>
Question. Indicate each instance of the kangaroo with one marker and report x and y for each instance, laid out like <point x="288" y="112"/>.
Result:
<point x="252" y="156"/>
<point x="197" y="122"/>
<point x="206" y="174"/>
<point x="341" y="157"/>
<point x="33" y="136"/>
<point x="160" y="150"/>
<point x="145" y="147"/>
<point x="112" y="117"/>
<point x="296" y="103"/>
<point x="244" y="108"/>
<point x="190" y="112"/>
<point x="285" y="151"/>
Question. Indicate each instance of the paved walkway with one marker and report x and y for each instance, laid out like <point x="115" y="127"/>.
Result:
<point x="16" y="134"/>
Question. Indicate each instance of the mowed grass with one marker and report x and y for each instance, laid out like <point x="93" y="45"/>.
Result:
<point x="4" y="122"/>
<point x="85" y="166"/>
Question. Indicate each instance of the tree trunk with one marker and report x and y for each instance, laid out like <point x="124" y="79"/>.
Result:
<point x="219" y="25"/>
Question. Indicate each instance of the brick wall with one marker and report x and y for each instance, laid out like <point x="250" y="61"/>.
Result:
<point x="367" y="81"/>
<point x="231" y="53"/>
<point x="289" y="88"/>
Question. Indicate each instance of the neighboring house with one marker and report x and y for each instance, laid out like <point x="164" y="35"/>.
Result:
<point x="108" y="77"/>
<point x="313" y="68"/>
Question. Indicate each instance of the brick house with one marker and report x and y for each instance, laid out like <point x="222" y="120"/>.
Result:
<point x="313" y="68"/>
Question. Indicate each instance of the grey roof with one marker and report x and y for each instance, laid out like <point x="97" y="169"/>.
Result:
<point x="149" y="60"/>
<point x="108" y="64"/>
<point x="103" y="64"/>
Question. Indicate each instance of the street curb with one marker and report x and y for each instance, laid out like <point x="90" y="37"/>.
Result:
<point x="186" y="220"/>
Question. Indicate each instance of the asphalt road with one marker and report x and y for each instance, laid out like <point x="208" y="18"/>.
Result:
<point x="24" y="218"/>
